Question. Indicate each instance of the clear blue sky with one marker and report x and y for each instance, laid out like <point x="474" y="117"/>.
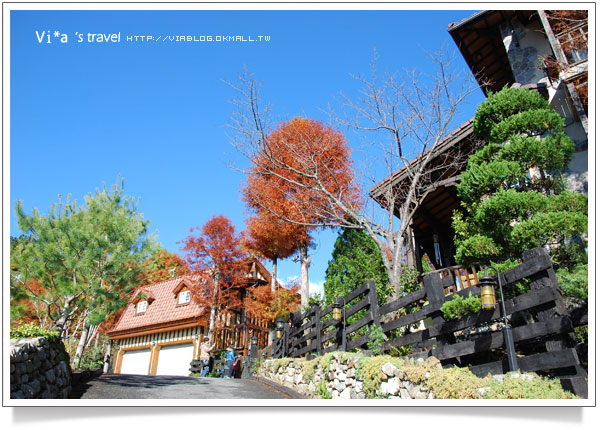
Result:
<point x="83" y="113"/>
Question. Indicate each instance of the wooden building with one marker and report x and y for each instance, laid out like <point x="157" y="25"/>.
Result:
<point x="501" y="48"/>
<point x="160" y="330"/>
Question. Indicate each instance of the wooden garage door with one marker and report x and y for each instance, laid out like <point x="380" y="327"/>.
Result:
<point x="136" y="362"/>
<point x="175" y="359"/>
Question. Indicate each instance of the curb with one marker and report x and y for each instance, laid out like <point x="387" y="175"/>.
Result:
<point x="288" y="391"/>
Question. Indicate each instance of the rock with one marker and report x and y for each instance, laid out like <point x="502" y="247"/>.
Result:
<point x="420" y="395"/>
<point x="481" y="391"/>
<point x="341" y="377"/>
<point x="339" y="385"/>
<point x="527" y="377"/>
<point x="17" y="395"/>
<point x="498" y="378"/>
<point x="35" y="386"/>
<point x="434" y="361"/>
<point x="335" y="394"/>
<point x="390" y="387"/>
<point x="345" y="395"/>
<point x="389" y="369"/>
<point x="351" y="373"/>
<point x="27" y="391"/>
<point x="361" y="395"/>
<point x="413" y="390"/>
<point x="358" y="386"/>
<point x="404" y="394"/>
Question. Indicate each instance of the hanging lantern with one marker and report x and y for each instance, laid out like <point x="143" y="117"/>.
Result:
<point x="337" y="309"/>
<point x="487" y="286"/>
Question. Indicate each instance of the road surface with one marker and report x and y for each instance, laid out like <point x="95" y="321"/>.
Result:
<point x="112" y="386"/>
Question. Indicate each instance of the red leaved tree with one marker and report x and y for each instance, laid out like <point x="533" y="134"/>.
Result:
<point x="269" y="305"/>
<point x="162" y="266"/>
<point x="272" y="238"/>
<point x="215" y="256"/>
<point x="303" y="175"/>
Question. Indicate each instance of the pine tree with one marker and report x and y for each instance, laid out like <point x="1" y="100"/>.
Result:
<point x="356" y="260"/>
<point x="85" y="259"/>
<point x="513" y="192"/>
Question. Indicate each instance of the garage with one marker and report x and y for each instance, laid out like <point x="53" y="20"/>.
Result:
<point x="136" y="362"/>
<point x="175" y="359"/>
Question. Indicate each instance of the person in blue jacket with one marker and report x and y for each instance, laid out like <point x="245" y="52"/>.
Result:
<point x="230" y="357"/>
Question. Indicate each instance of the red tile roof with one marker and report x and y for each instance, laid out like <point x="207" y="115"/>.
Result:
<point x="164" y="309"/>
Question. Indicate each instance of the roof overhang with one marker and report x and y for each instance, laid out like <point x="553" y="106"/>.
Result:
<point x="480" y="43"/>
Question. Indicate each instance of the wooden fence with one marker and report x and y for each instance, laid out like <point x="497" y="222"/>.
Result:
<point x="542" y="328"/>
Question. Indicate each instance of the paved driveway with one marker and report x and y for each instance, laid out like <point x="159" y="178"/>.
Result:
<point x="177" y="387"/>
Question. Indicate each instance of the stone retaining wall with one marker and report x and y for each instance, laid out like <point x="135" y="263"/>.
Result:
<point x="39" y="369"/>
<point x="342" y="375"/>
<point x="339" y="378"/>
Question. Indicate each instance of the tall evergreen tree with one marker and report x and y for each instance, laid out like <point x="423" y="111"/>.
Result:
<point x="514" y="195"/>
<point x="356" y="259"/>
<point x="84" y="258"/>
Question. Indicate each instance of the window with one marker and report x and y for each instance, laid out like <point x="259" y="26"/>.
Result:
<point x="142" y="306"/>
<point x="184" y="297"/>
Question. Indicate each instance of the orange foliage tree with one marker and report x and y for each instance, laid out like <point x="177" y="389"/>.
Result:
<point x="215" y="256"/>
<point x="162" y="266"/>
<point x="302" y="174"/>
<point x="264" y="303"/>
<point x="272" y="238"/>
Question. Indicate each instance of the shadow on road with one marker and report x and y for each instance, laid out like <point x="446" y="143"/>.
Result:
<point x="135" y="381"/>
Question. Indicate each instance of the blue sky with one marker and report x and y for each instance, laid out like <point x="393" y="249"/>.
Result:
<point x="155" y="112"/>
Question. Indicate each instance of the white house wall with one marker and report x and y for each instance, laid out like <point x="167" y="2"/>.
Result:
<point x="525" y="47"/>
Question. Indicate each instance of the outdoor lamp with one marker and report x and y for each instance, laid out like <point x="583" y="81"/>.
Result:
<point x="279" y="326"/>
<point x="488" y="301"/>
<point x="487" y="287"/>
<point x="337" y="309"/>
<point x="254" y="340"/>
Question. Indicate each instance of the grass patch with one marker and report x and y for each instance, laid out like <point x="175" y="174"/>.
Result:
<point x="536" y="388"/>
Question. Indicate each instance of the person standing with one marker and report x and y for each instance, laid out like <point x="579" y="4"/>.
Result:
<point x="205" y="349"/>
<point x="229" y="359"/>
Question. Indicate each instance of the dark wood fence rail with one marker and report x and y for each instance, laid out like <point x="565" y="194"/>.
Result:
<point x="542" y="326"/>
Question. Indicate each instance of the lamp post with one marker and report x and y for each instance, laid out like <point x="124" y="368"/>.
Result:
<point x="487" y="285"/>
<point x="282" y="333"/>
<point x="339" y="313"/>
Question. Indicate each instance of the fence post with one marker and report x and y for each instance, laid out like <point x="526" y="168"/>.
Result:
<point x="547" y="279"/>
<point x="317" y="319"/>
<point x="373" y="304"/>
<point x="434" y="288"/>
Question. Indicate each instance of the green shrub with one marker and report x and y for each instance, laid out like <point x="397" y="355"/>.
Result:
<point x="322" y="390"/>
<point x="401" y="351"/>
<point x="534" y="388"/>
<point x="454" y="383"/>
<point x="376" y="340"/>
<point x="459" y="307"/>
<point x="369" y="370"/>
<point x="33" y="330"/>
<point x="574" y="282"/>
<point x="581" y="333"/>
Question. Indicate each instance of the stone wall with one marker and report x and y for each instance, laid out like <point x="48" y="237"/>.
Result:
<point x="39" y="369"/>
<point x="342" y="375"/>
<point x="338" y="377"/>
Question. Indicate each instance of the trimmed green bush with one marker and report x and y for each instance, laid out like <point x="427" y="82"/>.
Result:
<point x="459" y="306"/>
